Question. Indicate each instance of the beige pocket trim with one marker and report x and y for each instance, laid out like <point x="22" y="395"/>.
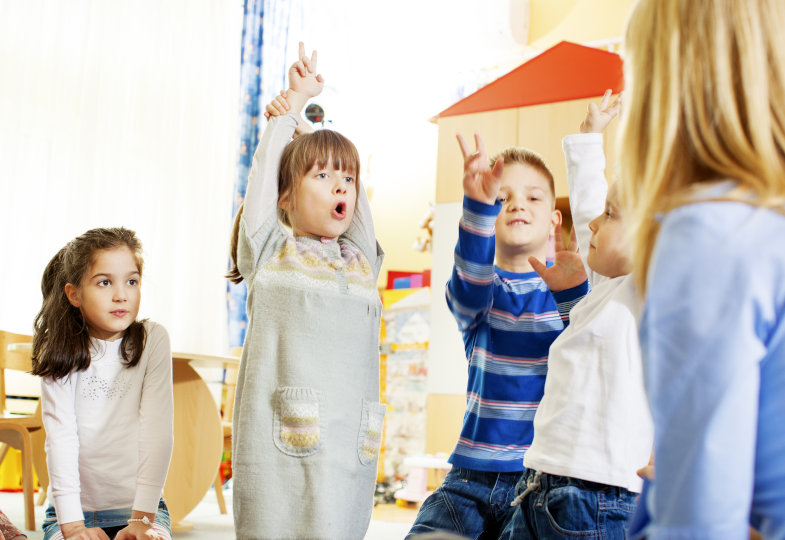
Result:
<point x="371" y="430"/>
<point x="298" y="427"/>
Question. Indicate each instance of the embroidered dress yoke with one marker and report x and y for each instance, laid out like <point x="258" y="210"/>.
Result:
<point x="307" y="415"/>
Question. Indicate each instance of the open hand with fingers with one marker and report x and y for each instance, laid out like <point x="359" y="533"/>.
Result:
<point x="567" y="270"/>
<point x="599" y="116"/>
<point x="303" y="78"/>
<point x="304" y="83"/>
<point x="480" y="182"/>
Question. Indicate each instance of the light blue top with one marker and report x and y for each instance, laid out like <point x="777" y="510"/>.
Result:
<point x="713" y="343"/>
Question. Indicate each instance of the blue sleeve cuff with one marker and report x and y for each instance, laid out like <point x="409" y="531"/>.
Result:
<point x="572" y="294"/>
<point x="478" y="207"/>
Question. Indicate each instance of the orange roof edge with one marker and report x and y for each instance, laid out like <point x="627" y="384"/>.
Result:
<point x="564" y="72"/>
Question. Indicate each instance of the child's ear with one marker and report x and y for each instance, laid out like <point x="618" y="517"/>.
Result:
<point x="285" y="201"/>
<point x="72" y="293"/>
<point x="555" y="222"/>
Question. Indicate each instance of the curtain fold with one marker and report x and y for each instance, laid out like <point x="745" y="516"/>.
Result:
<point x="266" y="48"/>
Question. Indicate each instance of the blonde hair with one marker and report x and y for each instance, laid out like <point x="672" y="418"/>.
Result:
<point x="704" y="101"/>
<point x="530" y="158"/>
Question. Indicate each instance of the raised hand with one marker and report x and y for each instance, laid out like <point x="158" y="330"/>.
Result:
<point x="598" y="117"/>
<point x="303" y="78"/>
<point x="279" y="106"/>
<point x="480" y="182"/>
<point x="567" y="270"/>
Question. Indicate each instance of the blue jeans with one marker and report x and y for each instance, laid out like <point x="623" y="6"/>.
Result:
<point x="111" y="521"/>
<point x="473" y="504"/>
<point x="564" y="507"/>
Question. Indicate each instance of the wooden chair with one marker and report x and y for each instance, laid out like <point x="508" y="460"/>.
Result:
<point x="227" y="410"/>
<point x="23" y="432"/>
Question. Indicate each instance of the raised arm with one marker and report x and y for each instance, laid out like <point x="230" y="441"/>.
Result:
<point x="585" y="160"/>
<point x="470" y="288"/>
<point x="261" y="197"/>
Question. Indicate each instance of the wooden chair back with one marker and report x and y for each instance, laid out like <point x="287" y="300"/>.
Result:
<point x="15" y="360"/>
<point x="22" y="431"/>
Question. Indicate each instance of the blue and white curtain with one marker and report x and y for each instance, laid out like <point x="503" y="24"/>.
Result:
<point x="267" y="49"/>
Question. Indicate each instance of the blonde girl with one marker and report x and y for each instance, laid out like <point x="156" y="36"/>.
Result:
<point x="106" y="393"/>
<point x="703" y="158"/>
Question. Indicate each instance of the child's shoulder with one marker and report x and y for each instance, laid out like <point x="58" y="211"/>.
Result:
<point x="154" y="331"/>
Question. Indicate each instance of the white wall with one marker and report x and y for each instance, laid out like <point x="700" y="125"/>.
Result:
<point x="121" y="113"/>
<point x="125" y="113"/>
<point x="389" y="68"/>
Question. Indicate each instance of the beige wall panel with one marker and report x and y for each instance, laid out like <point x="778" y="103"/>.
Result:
<point x="542" y="128"/>
<point x="447" y="370"/>
<point x="443" y="420"/>
<point x="498" y="130"/>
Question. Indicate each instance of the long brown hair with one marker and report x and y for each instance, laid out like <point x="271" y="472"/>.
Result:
<point x="298" y="157"/>
<point x="61" y="343"/>
<point x="704" y="100"/>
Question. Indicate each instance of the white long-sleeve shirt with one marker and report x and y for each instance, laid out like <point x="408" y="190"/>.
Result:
<point x="593" y="422"/>
<point x="109" y="430"/>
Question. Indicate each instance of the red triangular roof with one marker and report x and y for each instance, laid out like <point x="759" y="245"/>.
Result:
<point x="564" y="72"/>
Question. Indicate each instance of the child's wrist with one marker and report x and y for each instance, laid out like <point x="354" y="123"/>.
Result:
<point x="144" y="520"/>
<point x="296" y="100"/>
<point x="71" y="528"/>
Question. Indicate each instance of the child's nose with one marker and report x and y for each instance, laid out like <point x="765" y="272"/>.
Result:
<point x="119" y="294"/>
<point x="514" y="204"/>
<point x="593" y="224"/>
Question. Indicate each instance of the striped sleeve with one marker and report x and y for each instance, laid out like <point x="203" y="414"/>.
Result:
<point x="566" y="300"/>
<point x="470" y="288"/>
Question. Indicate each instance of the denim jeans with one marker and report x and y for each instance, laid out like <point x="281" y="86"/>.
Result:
<point x="111" y="521"/>
<point x="564" y="507"/>
<point x="469" y="503"/>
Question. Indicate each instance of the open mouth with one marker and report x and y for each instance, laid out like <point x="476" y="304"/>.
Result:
<point x="119" y="313"/>
<point x="339" y="212"/>
<point x="517" y="222"/>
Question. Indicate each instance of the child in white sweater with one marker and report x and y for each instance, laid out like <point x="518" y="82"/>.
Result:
<point x="106" y="393"/>
<point x="592" y="430"/>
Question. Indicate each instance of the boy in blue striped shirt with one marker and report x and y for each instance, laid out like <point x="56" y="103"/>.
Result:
<point x="509" y="317"/>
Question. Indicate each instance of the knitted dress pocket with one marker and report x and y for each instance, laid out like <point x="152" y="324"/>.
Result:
<point x="371" y="425"/>
<point x="297" y="429"/>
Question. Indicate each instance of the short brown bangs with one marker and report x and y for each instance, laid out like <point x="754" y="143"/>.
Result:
<point x="323" y="145"/>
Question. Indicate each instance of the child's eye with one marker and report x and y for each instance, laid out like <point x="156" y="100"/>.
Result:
<point x="104" y="283"/>
<point x="133" y="282"/>
<point x="533" y="198"/>
<point x="321" y="175"/>
<point x="501" y="199"/>
<point x="349" y="179"/>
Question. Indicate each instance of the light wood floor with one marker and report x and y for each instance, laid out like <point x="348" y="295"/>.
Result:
<point x="394" y="513"/>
